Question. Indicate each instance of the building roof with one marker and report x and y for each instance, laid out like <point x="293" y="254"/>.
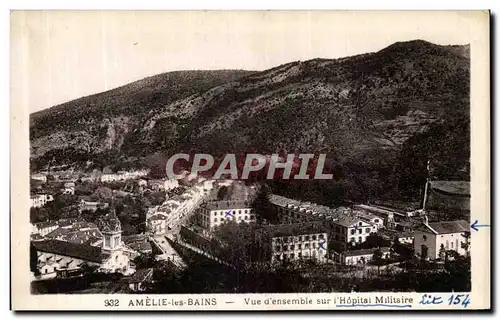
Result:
<point x="445" y="227"/>
<point x="459" y="188"/>
<point x="46" y="224"/>
<point x="226" y="205"/>
<point x="140" y="246"/>
<point x="294" y="229"/>
<point x="158" y="216"/>
<point x="141" y="275"/>
<point x="64" y="248"/>
<point x="364" y="252"/>
<point x="134" y="238"/>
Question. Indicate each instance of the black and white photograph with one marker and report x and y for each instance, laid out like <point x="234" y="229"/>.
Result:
<point x="251" y="152"/>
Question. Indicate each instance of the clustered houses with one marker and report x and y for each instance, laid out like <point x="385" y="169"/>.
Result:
<point x="430" y="237"/>
<point x="171" y="213"/>
<point x="214" y="213"/>
<point x="66" y="258"/>
<point x="39" y="200"/>
<point x="123" y="175"/>
<point x="299" y="241"/>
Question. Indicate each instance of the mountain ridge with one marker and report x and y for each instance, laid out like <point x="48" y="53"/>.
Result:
<point x="351" y="108"/>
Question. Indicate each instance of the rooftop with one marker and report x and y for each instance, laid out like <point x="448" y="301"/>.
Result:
<point x="461" y="188"/>
<point x="225" y="205"/>
<point x="64" y="248"/>
<point x="316" y="210"/>
<point x="284" y="230"/>
<point x="444" y="227"/>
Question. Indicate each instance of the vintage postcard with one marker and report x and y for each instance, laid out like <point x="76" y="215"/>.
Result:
<point x="250" y="160"/>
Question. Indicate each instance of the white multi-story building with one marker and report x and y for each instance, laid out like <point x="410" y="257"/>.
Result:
<point x="431" y="236"/>
<point x="214" y="213"/>
<point x="299" y="241"/>
<point x="39" y="200"/>
<point x="353" y="230"/>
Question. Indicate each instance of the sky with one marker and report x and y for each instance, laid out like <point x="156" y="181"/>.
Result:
<point x="58" y="56"/>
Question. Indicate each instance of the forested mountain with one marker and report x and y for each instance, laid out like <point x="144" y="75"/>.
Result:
<point x="379" y="117"/>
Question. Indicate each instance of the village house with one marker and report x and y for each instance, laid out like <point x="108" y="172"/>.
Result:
<point x="214" y="213"/>
<point x="69" y="188"/>
<point x="361" y="256"/>
<point x="299" y="241"/>
<point x="352" y="230"/>
<point x="39" y="177"/>
<point x="157" y="185"/>
<point x="86" y="203"/>
<point x="39" y="200"/>
<point x="430" y="236"/>
<point x="388" y="215"/>
<point x="139" y="243"/>
<point x="158" y="223"/>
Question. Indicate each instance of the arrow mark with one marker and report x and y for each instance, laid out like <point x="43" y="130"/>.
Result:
<point x="476" y="226"/>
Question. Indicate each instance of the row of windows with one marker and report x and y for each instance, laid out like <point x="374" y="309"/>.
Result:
<point x="252" y="217"/>
<point x="360" y="231"/>
<point x="299" y="247"/>
<point x="239" y="211"/>
<point x="353" y="239"/>
<point x="302" y="238"/>
<point x="293" y="256"/>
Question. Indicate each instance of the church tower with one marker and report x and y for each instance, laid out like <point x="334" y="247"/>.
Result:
<point x="111" y="229"/>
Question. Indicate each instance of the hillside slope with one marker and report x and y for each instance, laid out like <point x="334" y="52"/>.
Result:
<point x="351" y="108"/>
<point x="99" y="122"/>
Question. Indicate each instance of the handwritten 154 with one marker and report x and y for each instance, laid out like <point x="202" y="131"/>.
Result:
<point x="453" y="300"/>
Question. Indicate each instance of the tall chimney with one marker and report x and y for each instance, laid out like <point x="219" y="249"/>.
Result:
<point x="424" y="202"/>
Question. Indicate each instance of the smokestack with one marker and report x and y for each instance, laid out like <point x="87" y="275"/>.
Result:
<point x="424" y="202"/>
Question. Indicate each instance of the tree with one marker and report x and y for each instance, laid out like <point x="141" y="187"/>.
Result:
<point x="466" y="244"/>
<point x="88" y="270"/>
<point x="262" y="206"/>
<point x="144" y="261"/>
<point x="222" y="193"/>
<point x="442" y="252"/>
<point x="378" y="259"/>
<point x="34" y="260"/>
